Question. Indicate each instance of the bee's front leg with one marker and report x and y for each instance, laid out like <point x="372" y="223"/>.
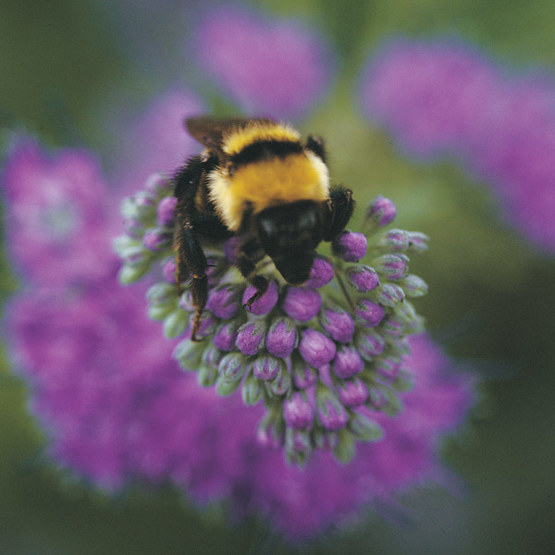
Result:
<point x="247" y="257"/>
<point x="341" y="206"/>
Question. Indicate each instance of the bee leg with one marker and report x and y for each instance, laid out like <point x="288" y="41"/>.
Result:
<point x="190" y="255"/>
<point x="248" y="255"/>
<point x="340" y="209"/>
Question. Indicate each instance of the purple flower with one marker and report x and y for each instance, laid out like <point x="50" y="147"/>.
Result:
<point x="225" y="336"/>
<point x="445" y="98"/>
<point x="156" y="140"/>
<point x="156" y="239"/>
<point x="363" y="278"/>
<point x="316" y="348"/>
<point x="352" y="393"/>
<point x="350" y="246"/>
<point x="331" y="412"/>
<point x="267" y="65"/>
<point x="298" y="411"/>
<point x="338" y="324"/>
<point x="369" y="314"/>
<point x="381" y="211"/>
<point x="301" y="304"/>
<point x="347" y="363"/>
<point x="320" y="274"/>
<point x="281" y="338"/>
<point x="165" y="212"/>
<point x="58" y="230"/>
<point x="223" y="302"/>
<point x="250" y="337"/>
<point x="267" y="368"/>
<point x="263" y="304"/>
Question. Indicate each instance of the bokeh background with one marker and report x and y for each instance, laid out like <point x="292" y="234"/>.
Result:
<point x="69" y="70"/>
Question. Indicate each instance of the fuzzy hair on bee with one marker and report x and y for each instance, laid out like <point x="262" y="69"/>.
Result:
<point x="258" y="180"/>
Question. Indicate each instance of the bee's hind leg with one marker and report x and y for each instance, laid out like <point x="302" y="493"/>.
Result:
<point x="189" y="255"/>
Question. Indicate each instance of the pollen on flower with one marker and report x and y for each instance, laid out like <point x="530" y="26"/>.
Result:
<point x="325" y="359"/>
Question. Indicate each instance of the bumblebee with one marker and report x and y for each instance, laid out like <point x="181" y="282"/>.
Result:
<point x="255" y="179"/>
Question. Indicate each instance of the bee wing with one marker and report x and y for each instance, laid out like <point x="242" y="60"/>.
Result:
<point x="210" y="131"/>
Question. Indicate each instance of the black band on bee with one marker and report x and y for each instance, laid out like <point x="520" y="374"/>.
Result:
<point x="266" y="150"/>
<point x="316" y="145"/>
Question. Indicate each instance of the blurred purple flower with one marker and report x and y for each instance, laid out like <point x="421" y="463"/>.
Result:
<point x="57" y="231"/>
<point x="445" y="98"/>
<point x="116" y="409"/>
<point x="269" y="66"/>
<point x="157" y="140"/>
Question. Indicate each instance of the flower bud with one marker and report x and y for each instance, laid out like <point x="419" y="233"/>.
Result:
<point x="304" y="375"/>
<point x="389" y="294"/>
<point x="369" y="314"/>
<point x="165" y="213"/>
<point x="223" y="302"/>
<point x="281" y="384"/>
<point x="369" y="345"/>
<point x="414" y="286"/>
<point x="381" y="212"/>
<point x="168" y="271"/>
<point x="347" y="363"/>
<point x="161" y="294"/>
<point x="316" y="348"/>
<point x="250" y="337"/>
<point x="281" y="338"/>
<point x="175" y="323"/>
<point x="225" y="387"/>
<point x="362" y="278"/>
<point x="211" y="356"/>
<point x="297" y="445"/>
<point x="225" y="336"/>
<point x="349" y="246"/>
<point x="301" y="304"/>
<point x="393" y="327"/>
<point x="320" y="274"/>
<point x="267" y="367"/>
<point x="418" y="242"/>
<point x="207" y="376"/>
<point x="388" y="367"/>
<point x="395" y="240"/>
<point x="338" y="324"/>
<point x="263" y="304"/>
<point x="298" y="412"/>
<point x="188" y="354"/>
<point x="392" y="266"/>
<point x="232" y="367"/>
<point x="352" y="393"/>
<point x="331" y="413"/>
<point x="156" y="239"/>
<point x="251" y="391"/>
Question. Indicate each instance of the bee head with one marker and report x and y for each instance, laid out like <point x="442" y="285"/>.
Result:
<point x="289" y="234"/>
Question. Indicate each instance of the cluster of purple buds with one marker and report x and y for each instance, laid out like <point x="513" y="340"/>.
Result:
<point x="324" y="358"/>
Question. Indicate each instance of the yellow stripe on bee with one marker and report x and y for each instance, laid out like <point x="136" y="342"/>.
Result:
<point x="269" y="183"/>
<point x="238" y="139"/>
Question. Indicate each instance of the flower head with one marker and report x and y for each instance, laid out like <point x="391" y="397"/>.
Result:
<point x="290" y="339"/>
